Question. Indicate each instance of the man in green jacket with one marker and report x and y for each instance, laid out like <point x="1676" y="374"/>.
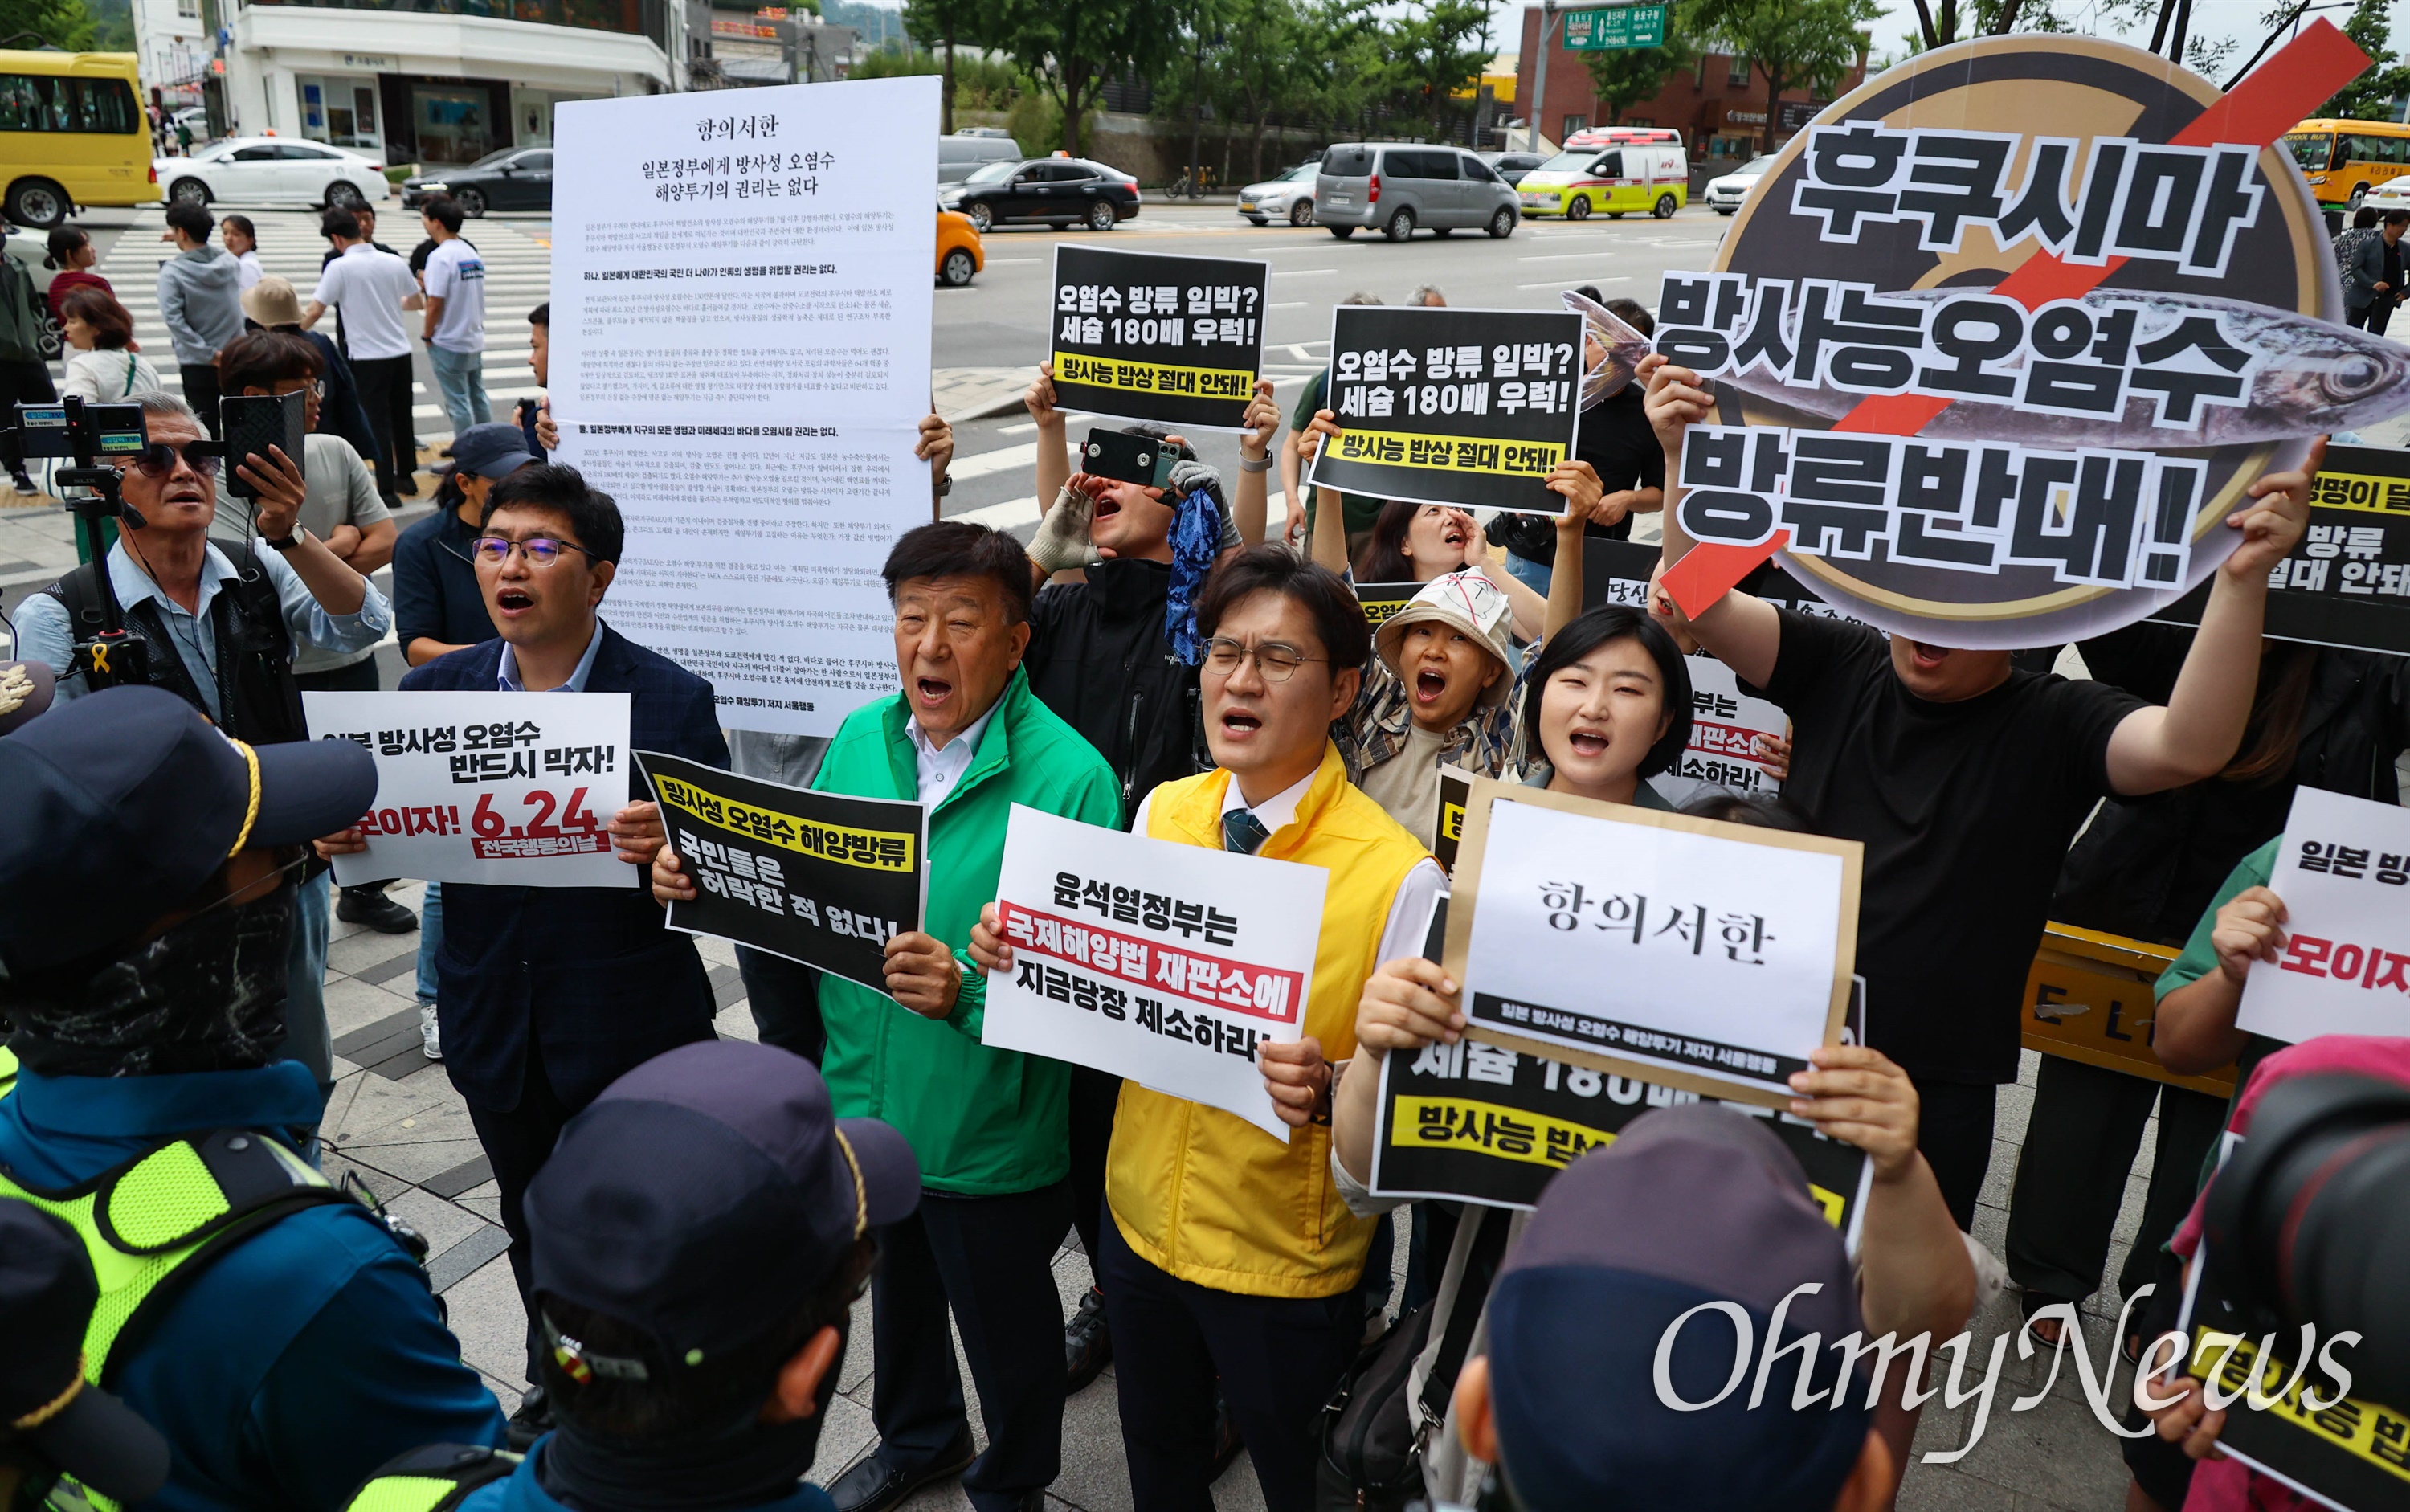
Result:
<point x="989" y="1126"/>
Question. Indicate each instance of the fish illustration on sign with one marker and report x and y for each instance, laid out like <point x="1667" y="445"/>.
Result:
<point x="1611" y="349"/>
<point x="2305" y="377"/>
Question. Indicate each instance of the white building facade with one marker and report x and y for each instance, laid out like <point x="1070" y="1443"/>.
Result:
<point x="445" y="82"/>
<point x="174" y="46"/>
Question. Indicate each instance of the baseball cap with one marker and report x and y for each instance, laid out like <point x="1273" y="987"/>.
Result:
<point x="1695" y="1204"/>
<point x="706" y="1192"/>
<point x="496" y="449"/>
<point x="124" y="801"/>
<point x="1469" y="602"/>
<point x="46" y="1295"/>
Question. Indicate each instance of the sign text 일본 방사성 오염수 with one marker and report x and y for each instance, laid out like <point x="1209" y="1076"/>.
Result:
<point x="2343" y="869"/>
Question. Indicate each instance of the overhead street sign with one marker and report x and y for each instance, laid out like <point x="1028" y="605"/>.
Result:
<point x="1613" y="28"/>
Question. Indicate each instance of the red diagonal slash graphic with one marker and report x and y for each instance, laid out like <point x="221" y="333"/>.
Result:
<point x="2260" y="109"/>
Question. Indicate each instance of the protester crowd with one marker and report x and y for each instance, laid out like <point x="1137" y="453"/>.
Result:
<point x="689" y="1220"/>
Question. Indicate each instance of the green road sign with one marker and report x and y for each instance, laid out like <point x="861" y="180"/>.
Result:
<point x="1613" y="28"/>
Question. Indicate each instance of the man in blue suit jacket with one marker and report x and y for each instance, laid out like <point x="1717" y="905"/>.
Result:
<point x="547" y="994"/>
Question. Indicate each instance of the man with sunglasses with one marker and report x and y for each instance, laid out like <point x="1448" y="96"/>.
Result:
<point x="547" y="994"/>
<point x="281" y="1339"/>
<point x="1229" y="1254"/>
<point x="222" y="627"/>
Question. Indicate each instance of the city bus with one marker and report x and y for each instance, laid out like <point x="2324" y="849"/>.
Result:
<point x="72" y="132"/>
<point x="2345" y="159"/>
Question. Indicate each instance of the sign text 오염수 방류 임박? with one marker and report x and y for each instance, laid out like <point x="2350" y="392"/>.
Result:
<point x="1703" y="955"/>
<point x="486" y="787"/>
<point x="1166" y="964"/>
<point x="818" y="878"/>
<point x="1991" y="385"/>
<point x="1464" y="407"/>
<point x="1140" y="335"/>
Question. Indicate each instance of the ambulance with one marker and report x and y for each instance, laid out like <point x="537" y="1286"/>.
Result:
<point x="1611" y="172"/>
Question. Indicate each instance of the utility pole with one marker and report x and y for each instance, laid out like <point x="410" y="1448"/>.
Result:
<point x="1540" y="79"/>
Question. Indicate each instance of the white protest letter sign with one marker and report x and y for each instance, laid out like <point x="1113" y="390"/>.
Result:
<point x="486" y="787"/>
<point x="1166" y="964"/>
<point x="742" y="286"/>
<point x="2343" y="869"/>
<point x="1700" y="954"/>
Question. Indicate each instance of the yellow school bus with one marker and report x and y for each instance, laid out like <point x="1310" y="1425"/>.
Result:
<point x="72" y="132"/>
<point x="2345" y="159"/>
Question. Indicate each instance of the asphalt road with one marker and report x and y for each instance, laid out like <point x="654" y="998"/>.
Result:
<point x="1000" y="319"/>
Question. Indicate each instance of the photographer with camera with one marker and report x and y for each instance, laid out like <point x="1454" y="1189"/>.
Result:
<point x="222" y="631"/>
<point x="280" y="1336"/>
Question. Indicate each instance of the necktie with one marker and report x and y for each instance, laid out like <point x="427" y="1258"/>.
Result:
<point x="1243" y="832"/>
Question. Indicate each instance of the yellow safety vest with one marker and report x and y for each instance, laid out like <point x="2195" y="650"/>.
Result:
<point x="433" y="1479"/>
<point x="1203" y="1194"/>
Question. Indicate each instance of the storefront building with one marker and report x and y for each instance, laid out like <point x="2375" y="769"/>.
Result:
<point x="447" y="82"/>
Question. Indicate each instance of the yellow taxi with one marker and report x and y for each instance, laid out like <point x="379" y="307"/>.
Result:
<point x="959" y="253"/>
<point x="1610" y="178"/>
<point x="72" y="132"/>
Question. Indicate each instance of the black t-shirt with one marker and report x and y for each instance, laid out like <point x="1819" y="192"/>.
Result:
<point x="1966" y="810"/>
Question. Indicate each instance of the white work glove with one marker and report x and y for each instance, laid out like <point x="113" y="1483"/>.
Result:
<point x="1188" y="475"/>
<point x="1062" y="541"/>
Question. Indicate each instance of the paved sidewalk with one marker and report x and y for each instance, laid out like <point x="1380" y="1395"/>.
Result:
<point x="395" y="1122"/>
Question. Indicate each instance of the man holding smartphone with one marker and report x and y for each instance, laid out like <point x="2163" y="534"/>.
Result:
<point x="220" y="630"/>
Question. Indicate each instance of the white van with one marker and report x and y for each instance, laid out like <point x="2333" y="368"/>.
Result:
<point x="1616" y="179"/>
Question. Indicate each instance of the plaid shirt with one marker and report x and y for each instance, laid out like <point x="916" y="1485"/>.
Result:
<point x="1374" y="730"/>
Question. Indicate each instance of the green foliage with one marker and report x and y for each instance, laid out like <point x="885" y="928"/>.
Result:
<point x="1795" y="44"/>
<point x="113" y="26"/>
<point x="2371" y="96"/>
<point x="1441" y="47"/>
<point x="60" y="23"/>
<point x="892" y="64"/>
<point x="1624" y="78"/>
<point x="1071" y="47"/>
<point x="1036" y="122"/>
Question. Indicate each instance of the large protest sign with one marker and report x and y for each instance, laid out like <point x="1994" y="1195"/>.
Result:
<point x="741" y="300"/>
<point x="815" y="877"/>
<point x="2090" y="996"/>
<point x="2347" y="581"/>
<point x="486" y="787"/>
<point x="2343" y="872"/>
<point x="1703" y="955"/>
<point x="1466" y="407"/>
<point x="1994" y="385"/>
<point x="1166" y="964"/>
<point x="1142" y="336"/>
<point x="1381" y="600"/>
<point x="1454" y="792"/>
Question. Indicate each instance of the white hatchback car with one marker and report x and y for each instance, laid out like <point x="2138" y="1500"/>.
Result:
<point x="246" y="170"/>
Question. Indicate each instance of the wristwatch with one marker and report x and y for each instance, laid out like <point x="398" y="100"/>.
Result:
<point x="942" y="488"/>
<point x="300" y="533"/>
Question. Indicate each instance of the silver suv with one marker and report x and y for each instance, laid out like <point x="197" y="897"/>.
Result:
<point x="1399" y="189"/>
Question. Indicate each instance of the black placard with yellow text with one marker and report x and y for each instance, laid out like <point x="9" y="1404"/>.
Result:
<point x="815" y="877"/>
<point x="1142" y="336"/>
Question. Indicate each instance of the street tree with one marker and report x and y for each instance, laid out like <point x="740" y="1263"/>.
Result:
<point x="1623" y="78"/>
<point x="1434" y="50"/>
<point x="946" y="24"/>
<point x="1795" y="44"/>
<point x="1072" y="47"/>
<point x="2371" y="96"/>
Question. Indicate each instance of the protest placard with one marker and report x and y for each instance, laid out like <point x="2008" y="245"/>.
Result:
<point x="1455" y="789"/>
<point x="1381" y="600"/>
<point x="486" y="787"/>
<point x="2343" y="1450"/>
<point x="1726" y="721"/>
<point x="1936" y="401"/>
<point x="1617" y="572"/>
<point x="2090" y="997"/>
<point x="1165" y="964"/>
<point x="741" y="296"/>
<point x="2343" y="872"/>
<point x="1144" y="336"/>
<point x="1464" y="407"/>
<point x="2347" y="581"/>
<point x="1700" y="954"/>
<point x="815" y="877"/>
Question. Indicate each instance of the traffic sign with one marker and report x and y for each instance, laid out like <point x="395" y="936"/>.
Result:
<point x="1613" y="28"/>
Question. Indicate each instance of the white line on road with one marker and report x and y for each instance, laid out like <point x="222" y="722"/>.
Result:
<point x="1301" y="272"/>
<point x="999" y="262"/>
<point x="1288" y="304"/>
<point x="1572" y="256"/>
<point x="1558" y="283"/>
<point x="1021" y="429"/>
<point x="1003" y="516"/>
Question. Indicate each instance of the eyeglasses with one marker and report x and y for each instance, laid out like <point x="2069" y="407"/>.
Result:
<point x="1274" y="660"/>
<point x="540" y="550"/>
<point x="159" y="459"/>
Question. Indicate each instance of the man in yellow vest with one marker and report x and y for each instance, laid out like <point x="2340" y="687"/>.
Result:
<point x="1230" y="1253"/>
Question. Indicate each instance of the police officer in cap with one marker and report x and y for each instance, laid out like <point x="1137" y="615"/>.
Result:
<point x="53" y="1423"/>
<point x="276" y="1332"/>
<point x="698" y="1239"/>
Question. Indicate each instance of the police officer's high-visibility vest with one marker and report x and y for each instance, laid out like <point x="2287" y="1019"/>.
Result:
<point x="433" y="1479"/>
<point x="152" y="1225"/>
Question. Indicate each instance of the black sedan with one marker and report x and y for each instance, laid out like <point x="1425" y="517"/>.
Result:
<point x="516" y="177"/>
<point x="1060" y="191"/>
